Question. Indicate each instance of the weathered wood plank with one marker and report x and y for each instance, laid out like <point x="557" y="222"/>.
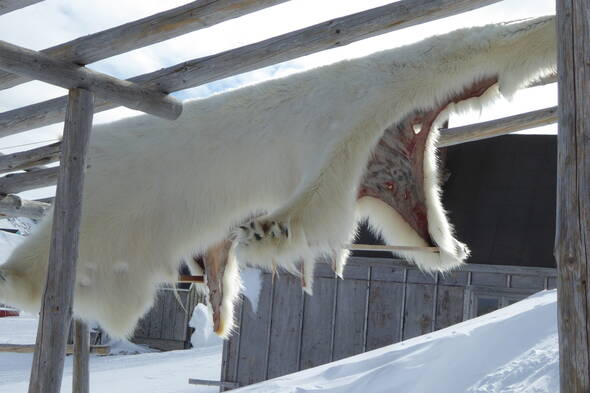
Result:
<point x="285" y="332"/>
<point x="30" y="158"/>
<point x="7" y="6"/>
<point x="418" y="310"/>
<point x="317" y="324"/>
<point x="14" y="183"/>
<point x="14" y="206"/>
<point x="254" y="338"/>
<point x="527" y="282"/>
<point x="489" y="279"/>
<point x="572" y="239"/>
<point x="142" y="32"/>
<point x="231" y="351"/>
<point x="56" y="308"/>
<point x="385" y="312"/>
<point x="37" y="65"/>
<point x="326" y="35"/>
<point x="80" y="372"/>
<point x="221" y="384"/>
<point x="350" y="322"/>
<point x="497" y="127"/>
<point x="157" y="311"/>
<point x="449" y="306"/>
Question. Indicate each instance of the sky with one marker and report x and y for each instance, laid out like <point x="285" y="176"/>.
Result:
<point x="52" y="22"/>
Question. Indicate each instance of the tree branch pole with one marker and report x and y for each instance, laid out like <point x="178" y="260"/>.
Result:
<point x="572" y="239"/>
<point x="81" y="374"/>
<point x="57" y="303"/>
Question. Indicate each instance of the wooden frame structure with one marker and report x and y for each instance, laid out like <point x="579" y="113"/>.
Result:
<point x="63" y="66"/>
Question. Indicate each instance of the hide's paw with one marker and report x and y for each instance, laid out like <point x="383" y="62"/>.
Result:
<point x="263" y="230"/>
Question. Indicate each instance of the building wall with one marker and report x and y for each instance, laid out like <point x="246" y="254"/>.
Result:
<point x="501" y="198"/>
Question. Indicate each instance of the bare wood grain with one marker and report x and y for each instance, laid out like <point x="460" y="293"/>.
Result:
<point x="7" y="6"/>
<point x="326" y="35"/>
<point x="143" y="32"/>
<point x="18" y="182"/>
<point x="493" y="128"/>
<point x="80" y="372"/>
<point x="56" y="308"/>
<point x="30" y="158"/>
<point x="15" y="206"/>
<point x="572" y="239"/>
<point x="37" y="65"/>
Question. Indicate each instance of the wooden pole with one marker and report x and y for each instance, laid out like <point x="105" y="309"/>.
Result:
<point x="572" y="240"/>
<point x="81" y="376"/>
<point x="56" y="308"/>
<point x="38" y="65"/>
<point x="496" y="127"/>
<point x="15" y="206"/>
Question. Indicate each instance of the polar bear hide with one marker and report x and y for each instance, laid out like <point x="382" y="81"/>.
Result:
<point x="290" y="152"/>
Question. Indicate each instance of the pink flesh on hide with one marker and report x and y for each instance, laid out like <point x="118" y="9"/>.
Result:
<point x="395" y="173"/>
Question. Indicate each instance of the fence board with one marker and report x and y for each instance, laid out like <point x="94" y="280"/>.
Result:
<point x="418" y="310"/>
<point x="449" y="306"/>
<point x="317" y="324"/>
<point x="285" y="332"/>
<point x="254" y="336"/>
<point x="383" y="322"/>
<point x="349" y="328"/>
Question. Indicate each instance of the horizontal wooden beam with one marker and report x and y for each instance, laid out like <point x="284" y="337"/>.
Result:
<point x="18" y="182"/>
<point x="327" y="35"/>
<point x="492" y="128"/>
<point x="30" y="158"/>
<point x="15" y="206"/>
<point x="190" y="279"/>
<point x="376" y="247"/>
<point x="143" y="32"/>
<point x="7" y="6"/>
<point x="40" y="66"/>
<point x="206" y="382"/>
<point x="30" y="348"/>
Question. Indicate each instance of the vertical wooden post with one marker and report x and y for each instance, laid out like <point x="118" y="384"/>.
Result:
<point x="80" y="382"/>
<point x="572" y="241"/>
<point x="56" y="309"/>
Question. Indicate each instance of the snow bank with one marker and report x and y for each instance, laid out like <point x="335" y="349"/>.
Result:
<point x="512" y="350"/>
<point x="203" y="336"/>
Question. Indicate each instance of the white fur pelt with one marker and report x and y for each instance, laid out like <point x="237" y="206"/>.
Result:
<point x="290" y="151"/>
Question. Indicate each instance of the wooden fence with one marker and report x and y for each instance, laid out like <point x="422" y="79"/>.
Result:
<point x="379" y="302"/>
<point x="166" y="325"/>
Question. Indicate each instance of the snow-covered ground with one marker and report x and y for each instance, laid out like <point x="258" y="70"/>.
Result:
<point x="512" y="350"/>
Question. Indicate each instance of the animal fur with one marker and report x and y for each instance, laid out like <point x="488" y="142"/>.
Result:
<point x="291" y="151"/>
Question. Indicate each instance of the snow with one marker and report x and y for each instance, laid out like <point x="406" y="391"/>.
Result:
<point x="201" y="321"/>
<point x="251" y="285"/>
<point x="512" y="350"/>
<point x="158" y="372"/>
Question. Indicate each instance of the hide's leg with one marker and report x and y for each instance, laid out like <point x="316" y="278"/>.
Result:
<point x="215" y="262"/>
